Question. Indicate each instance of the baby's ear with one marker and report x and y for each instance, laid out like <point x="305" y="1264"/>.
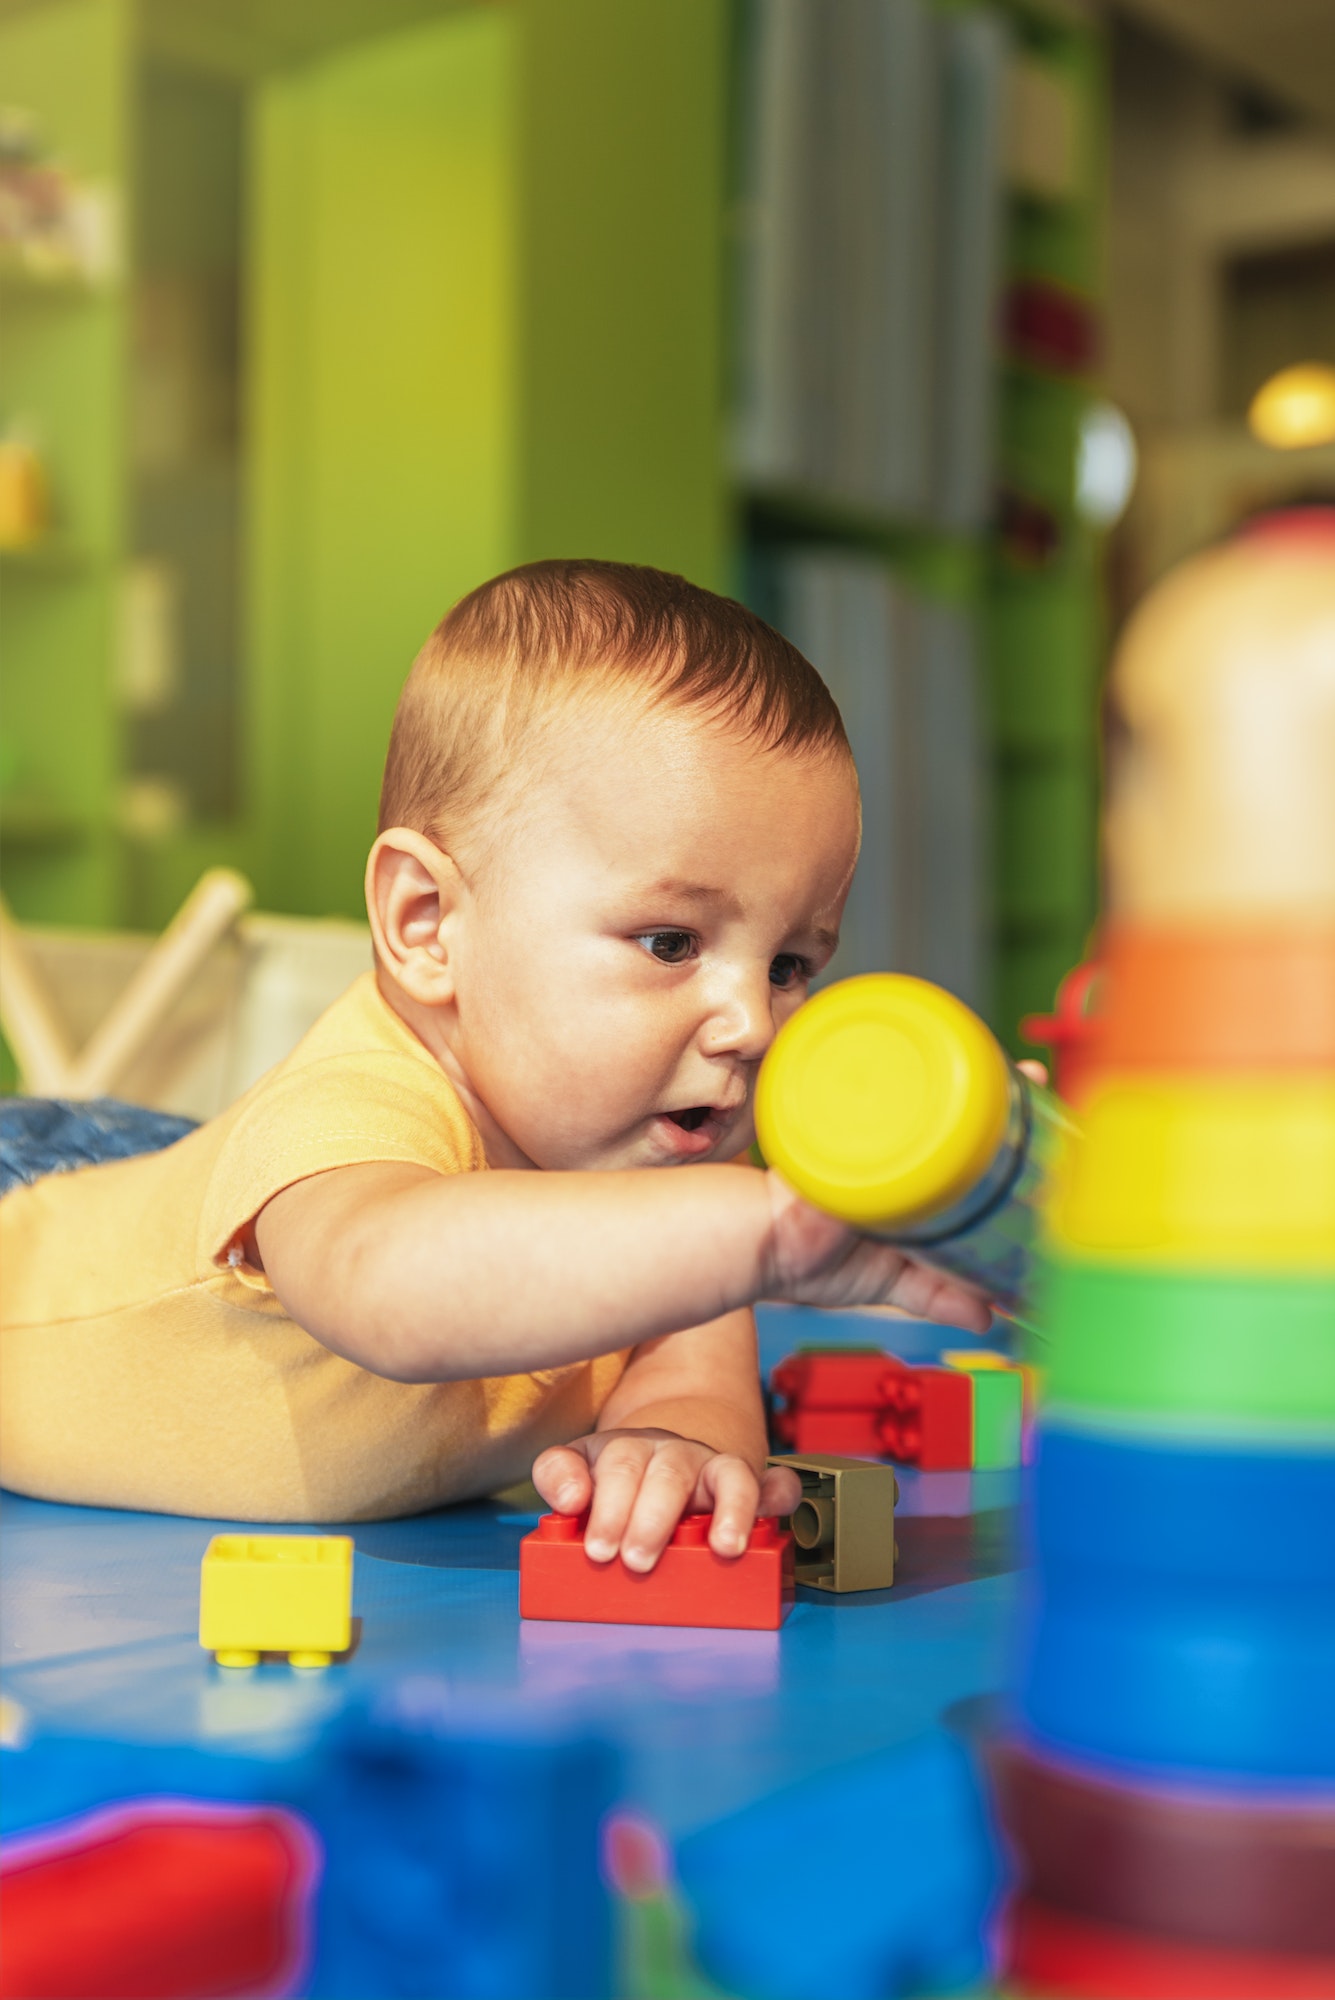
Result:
<point x="412" y="891"/>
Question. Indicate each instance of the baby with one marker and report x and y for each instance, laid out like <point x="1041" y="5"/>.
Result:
<point x="436" y="1243"/>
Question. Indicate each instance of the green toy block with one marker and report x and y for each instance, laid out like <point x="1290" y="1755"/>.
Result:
<point x="998" y="1406"/>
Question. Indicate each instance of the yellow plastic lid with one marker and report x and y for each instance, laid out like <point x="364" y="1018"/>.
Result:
<point x="883" y="1101"/>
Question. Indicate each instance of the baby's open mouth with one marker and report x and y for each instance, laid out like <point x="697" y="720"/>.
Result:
<point x="691" y="1119"/>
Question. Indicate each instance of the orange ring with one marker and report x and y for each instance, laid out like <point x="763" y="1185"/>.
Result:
<point x="1259" y="997"/>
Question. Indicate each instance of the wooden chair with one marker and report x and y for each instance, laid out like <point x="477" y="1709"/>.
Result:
<point x="185" y="1022"/>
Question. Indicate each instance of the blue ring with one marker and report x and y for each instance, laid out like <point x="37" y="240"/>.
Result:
<point x="1186" y="1608"/>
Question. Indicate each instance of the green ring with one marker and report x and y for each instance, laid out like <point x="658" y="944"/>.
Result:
<point x="1245" y="1349"/>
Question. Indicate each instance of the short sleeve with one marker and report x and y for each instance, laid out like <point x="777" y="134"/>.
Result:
<point x="338" y="1111"/>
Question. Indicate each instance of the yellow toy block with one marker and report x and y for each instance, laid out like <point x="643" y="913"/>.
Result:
<point x="276" y="1594"/>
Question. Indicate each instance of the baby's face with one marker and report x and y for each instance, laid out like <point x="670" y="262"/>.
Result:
<point x="626" y="952"/>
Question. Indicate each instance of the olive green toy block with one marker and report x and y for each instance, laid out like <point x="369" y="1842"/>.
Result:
<point x="844" y="1524"/>
<point x="276" y="1594"/>
<point x="1240" y="1355"/>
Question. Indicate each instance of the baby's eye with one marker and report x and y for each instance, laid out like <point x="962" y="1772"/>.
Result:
<point x="788" y="970"/>
<point x="669" y="947"/>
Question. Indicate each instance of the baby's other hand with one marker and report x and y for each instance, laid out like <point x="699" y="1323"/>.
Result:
<point x="814" y="1260"/>
<point x="637" y="1484"/>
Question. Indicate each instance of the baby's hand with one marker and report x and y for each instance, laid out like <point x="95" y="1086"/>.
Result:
<point x="814" y="1260"/>
<point x="637" y="1484"/>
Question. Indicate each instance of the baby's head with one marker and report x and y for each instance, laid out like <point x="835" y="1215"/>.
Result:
<point x="618" y="824"/>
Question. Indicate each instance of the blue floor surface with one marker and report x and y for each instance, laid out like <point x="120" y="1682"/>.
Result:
<point x="100" y="1611"/>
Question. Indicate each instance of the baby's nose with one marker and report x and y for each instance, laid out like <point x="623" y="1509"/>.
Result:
<point x="743" y="1022"/>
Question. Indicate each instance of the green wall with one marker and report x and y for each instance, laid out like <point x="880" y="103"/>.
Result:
<point x="485" y="327"/>
<point x="622" y="129"/>
<point x="381" y="416"/>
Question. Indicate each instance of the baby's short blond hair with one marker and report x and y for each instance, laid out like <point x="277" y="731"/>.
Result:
<point x="537" y="638"/>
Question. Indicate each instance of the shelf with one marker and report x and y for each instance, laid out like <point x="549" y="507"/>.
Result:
<point x="1086" y="382"/>
<point x="52" y="556"/>
<point x="35" y="823"/>
<point x="943" y="559"/>
<point x="1073" y="16"/>
<point x="244" y="43"/>
<point x="19" y="280"/>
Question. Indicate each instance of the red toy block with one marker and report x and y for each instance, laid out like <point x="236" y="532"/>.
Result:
<point x="689" y="1584"/>
<point x="853" y="1378"/>
<point x="158" y="1900"/>
<point x="863" y="1404"/>
<point x="928" y="1420"/>
<point x="1055" y="1953"/>
<point x="844" y="1433"/>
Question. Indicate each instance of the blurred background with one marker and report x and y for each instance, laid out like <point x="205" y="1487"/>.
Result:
<point x="935" y="331"/>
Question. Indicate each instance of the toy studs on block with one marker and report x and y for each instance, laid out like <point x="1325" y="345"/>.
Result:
<point x="276" y="1594"/>
<point x="872" y="1405"/>
<point x="689" y="1584"/>
<point x="844" y="1524"/>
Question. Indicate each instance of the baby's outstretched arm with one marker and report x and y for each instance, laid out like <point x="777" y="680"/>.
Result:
<point x="427" y="1278"/>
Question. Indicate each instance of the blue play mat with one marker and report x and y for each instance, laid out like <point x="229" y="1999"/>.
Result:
<point x="704" y="1727"/>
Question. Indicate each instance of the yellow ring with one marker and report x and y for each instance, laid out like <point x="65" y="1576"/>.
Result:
<point x="1232" y="1173"/>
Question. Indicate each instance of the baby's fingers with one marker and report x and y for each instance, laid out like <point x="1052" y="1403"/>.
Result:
<point x="931" y="1295"/>
<point x="735" y="1491"/>
<point x="562" y="1477"/>
<point x="665" y="1493"/>
<point x="780" y="1491"/>
<point x="616" y="1489"/>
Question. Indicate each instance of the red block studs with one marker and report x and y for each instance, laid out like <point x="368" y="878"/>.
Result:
<point x="865" y="1404"/>
<point x="928" y="1420"/>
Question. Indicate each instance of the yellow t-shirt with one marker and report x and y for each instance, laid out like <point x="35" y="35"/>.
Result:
<point x="140" y="1368"/>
